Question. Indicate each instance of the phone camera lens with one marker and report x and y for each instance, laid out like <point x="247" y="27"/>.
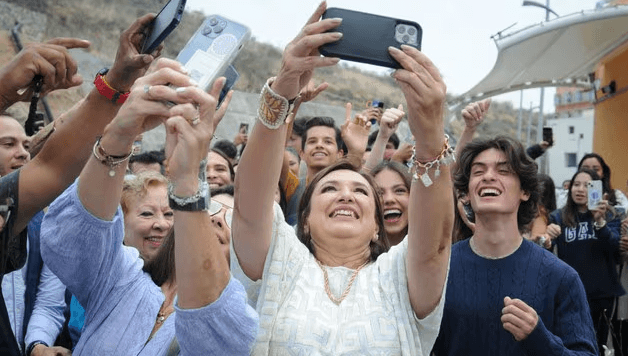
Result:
<point x="411" y="31"/>
<point x="213" y="21"/>
<point x="405" y="38"/>
<point x="206" y="30"/>
<point x="218" y="28"/>
<point x="401" y="29"/>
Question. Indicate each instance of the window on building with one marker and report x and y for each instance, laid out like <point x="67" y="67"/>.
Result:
<point x="578" y="97"/>
<point x="557" y="99"/>
<point x="567" y="97"/>
<point x="572" y="129"/>
<point x="570" y="160"/>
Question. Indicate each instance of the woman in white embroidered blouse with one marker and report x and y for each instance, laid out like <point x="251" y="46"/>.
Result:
<point x="337" y="292"/>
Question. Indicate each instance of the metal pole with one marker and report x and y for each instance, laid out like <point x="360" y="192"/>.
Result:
<point x="529" y="126"/>
<point x="541" y="122"/>
<point x="520" y="117"/>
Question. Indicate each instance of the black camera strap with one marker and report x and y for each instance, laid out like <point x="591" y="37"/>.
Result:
<point x="34" y="120"/>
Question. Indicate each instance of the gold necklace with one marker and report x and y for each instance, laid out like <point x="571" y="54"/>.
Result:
<point x="337" y="301"/>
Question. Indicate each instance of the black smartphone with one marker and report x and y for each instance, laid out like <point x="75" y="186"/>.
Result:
<point x="244" y="128"/>
<point x="366" y="37"/>
<point x="548" y="135"/>
<point x="231" y="75"/>
<point x="163" y="24"/>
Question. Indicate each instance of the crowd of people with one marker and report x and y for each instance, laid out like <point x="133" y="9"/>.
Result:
<point x="308" y="239"/>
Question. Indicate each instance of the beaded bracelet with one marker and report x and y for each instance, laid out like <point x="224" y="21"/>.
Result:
<point x="273" y="108"/>
<point x="445" y="158"/>
<point x="108" y="160"/>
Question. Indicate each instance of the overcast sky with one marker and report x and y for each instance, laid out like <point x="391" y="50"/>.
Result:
<point x="456" y="33"/>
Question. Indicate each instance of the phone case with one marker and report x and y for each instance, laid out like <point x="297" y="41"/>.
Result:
<point x="212" y="48"/>
<point x="366" y="37"/>
<point x="594" y="193"/>
<point x="548" y="135"/>
<point x="164" y="23"/>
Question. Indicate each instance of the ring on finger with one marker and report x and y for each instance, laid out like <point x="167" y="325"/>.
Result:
<point x="147" y="90"/>
<point x="356" y="120"/>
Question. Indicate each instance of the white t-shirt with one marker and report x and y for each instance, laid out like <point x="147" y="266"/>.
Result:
<point x="298" y="318"/>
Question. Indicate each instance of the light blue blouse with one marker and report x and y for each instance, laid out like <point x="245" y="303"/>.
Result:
<point x="121" y="301"/>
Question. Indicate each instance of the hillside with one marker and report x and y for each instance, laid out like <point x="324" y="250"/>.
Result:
<point x="101" y="23"/>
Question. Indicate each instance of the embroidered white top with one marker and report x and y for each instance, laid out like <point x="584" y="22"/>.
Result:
<point x="297" y="316"/>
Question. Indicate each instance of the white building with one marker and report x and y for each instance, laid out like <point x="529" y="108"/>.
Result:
<point x="573" y="138"/>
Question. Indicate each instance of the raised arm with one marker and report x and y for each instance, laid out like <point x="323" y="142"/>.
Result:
<point x="69" y="147"/>
<point x="388" y="125"/>
<point x="473" y="115"/>
<point x="431" y="210"/>
<point x="100" y="184"/>
<point x="260" y="164"/>
<point x="355" y="135"/>
<point x="202" y="271"/>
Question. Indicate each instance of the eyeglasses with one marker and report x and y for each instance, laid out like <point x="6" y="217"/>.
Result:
<point x="215" y="207"/>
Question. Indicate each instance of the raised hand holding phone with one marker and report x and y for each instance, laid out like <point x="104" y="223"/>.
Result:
<point x="366" y="37"/>
<point x="163" y="24"/>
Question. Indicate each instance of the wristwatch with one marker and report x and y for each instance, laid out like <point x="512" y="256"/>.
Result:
<point x="197" y="202"/>
<point x="106" y="90"/>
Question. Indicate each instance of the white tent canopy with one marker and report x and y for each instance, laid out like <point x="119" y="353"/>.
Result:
<point x="561" y="52"/>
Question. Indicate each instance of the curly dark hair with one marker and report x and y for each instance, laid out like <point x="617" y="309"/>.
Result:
<point x="377" y="247"/>
<point x="520" y="163"/>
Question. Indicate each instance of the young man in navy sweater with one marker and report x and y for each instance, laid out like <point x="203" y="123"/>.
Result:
<point x="506" y="295"/>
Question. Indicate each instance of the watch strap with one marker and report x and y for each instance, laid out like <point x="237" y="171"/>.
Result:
<point x="106" y="90"/>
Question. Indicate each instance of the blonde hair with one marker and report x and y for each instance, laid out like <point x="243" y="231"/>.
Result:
<point x="137" y="186"/>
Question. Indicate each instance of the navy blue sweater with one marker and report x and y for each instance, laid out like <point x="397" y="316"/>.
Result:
<point x="594" y="254"/>
<point x="475" y="298"/>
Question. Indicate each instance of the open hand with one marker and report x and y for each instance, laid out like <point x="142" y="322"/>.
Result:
<point x="355" y="132"/>
<point x="130" y="63"/>
<point x="301" y="55"/>
<point x="425" y="91"/>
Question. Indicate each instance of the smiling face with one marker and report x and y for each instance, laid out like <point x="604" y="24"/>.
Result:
<point x="395" y="197"/>
<point x="14" y="145"/>
<point x="218" y="173"/>
<point x="321" y="149"/>
<point x="148" y="220"/>
<point x="493" y="186"/>
<point x="342" y="207"/>
<point x="579" y="190"/>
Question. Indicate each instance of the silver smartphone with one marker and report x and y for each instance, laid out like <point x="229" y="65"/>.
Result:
<point x="594" y="193"/>
<point x="212" y="48"/>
